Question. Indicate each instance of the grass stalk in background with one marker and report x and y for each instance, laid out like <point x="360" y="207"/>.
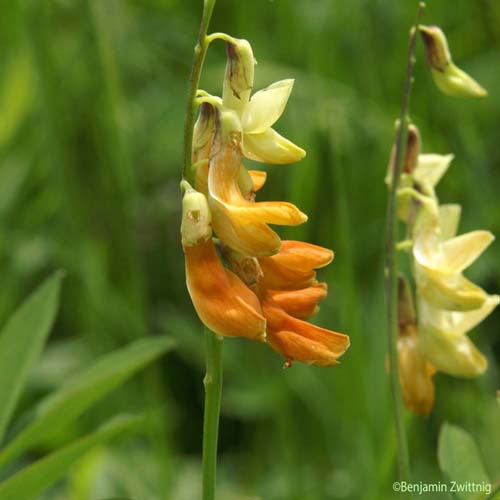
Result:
<point x="391" y="264"/>
<point x="213" y="376"/>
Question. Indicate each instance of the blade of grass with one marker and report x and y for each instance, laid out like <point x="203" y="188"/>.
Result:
<point x="83" y="390"/>
<point x="34" y="479"/>
<point x="21" y="342"/>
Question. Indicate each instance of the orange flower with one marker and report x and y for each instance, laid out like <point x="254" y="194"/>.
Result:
<point x="242" y="224"/>
<point x="415" y="374"/>
<point x="290" y="294"/>
<point x="223" y="302"/>
<point x="298" y="340"/>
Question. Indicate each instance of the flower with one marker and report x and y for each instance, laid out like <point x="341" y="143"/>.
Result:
<point x="415" y="372"/>
<point x="223" y="302"/>
<point x="448" y="77"/>
<point x="440" y="258"/>
<point x="449" y="305"/>
<point x="444" y="341"/>
<point x="259" y="112"/>
<point x="290" y="293"/>
<point x="237" y="220"/>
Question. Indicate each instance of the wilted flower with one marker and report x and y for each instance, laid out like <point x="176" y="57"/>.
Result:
<point x="448" y="77"/>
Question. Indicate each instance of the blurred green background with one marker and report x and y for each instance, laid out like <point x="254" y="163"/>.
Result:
<point x="92" y="99"/>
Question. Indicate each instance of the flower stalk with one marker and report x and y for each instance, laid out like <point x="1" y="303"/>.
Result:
<point x="391" y="264"/>
<point x="213" y="376"/>
<point x="213" y="392"/>
<point x="200" y="51"/>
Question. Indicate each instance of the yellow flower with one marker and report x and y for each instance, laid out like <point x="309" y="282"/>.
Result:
<point x="259" y="112"/>
<point x="223" y="302"/>
<point x="444" y="341"/>
<point x="440" y="258"/>
<point x="448" y="77"/>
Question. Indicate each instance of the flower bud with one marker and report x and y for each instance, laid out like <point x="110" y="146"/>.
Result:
<point x="196" y="225"/>
<point x="436" y="47"/>
<point x="450" y="79"/>
<point x="238" y="81"/>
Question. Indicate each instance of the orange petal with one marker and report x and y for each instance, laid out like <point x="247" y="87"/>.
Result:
<point x="223" y="302"/>
<point x="302" y="303"/>
<point x="258" y="178"/>
<point x="293" y="267"/>
<point x="295" y="347"/>
<point x="415" y="376"/>
<point x="303" y="255"/>
<point x="279" y="321"/>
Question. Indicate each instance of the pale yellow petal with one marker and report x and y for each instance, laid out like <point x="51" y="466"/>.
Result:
<point x="459" y="323"/>
<point x="271" y="147"/>
<point x="266" y="106"/>
<point x="431" y="167"/>
<point x="451" y="292"/>
<point x="449" y="218"/>
<point x="451" y="354"/>
<point x="460" y="252"/>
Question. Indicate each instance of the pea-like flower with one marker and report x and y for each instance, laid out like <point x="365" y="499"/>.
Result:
<point x="290" y="294"/>
<point x="257" y="113"/>
<point x="241" y="223"/>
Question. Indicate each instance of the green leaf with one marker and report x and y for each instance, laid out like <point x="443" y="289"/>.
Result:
<point x="21" y="342"/>
<point x="459" y="460"/>
<point x="83" y="390"/>
<point x="34" y="479"/>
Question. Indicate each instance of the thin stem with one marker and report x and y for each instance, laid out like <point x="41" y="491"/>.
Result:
<point x="213" y="391"/>
<point x="200" y="51"/>
<point x="391" y="266"/>
<point x="213" y="376"/>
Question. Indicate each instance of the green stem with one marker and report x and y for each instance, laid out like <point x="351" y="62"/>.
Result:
<point x="213" y="391"/>
<point x="200" y="51"/>
<point x="391" y="265"/>
<point x="213" y="376"/>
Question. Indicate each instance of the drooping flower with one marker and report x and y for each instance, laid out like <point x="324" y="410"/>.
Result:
<point x="448" y="77"/>
<point x="223" y="302"/>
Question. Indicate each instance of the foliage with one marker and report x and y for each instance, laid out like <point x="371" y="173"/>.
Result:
<point x="92" y="97"/>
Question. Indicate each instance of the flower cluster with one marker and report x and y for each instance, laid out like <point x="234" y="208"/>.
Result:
<point x="448" y="304"/>
<point x="247" y="282"/>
